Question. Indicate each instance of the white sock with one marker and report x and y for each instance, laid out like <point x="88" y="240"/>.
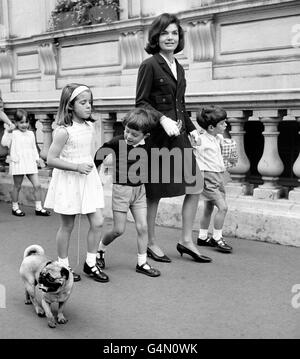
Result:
<point x="142" y="259"/>
<point x="38" y="205"/>
<point x="203" y="233"/>
<point x="102" y="247"/>
<point x="91" y="259"/>
<point x="15" y="206"/>
<point x="217" y="234"/>
<point x="64" y="261"/>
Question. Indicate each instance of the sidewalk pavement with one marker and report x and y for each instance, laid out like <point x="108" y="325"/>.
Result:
<point x="246" y="294"/>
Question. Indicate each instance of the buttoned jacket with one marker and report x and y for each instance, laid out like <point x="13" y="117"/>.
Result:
<point x="159" y="91"/>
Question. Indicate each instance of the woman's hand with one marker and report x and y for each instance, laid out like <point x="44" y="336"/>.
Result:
<point x="170" y="126"/>
<point x="84" y="168"/>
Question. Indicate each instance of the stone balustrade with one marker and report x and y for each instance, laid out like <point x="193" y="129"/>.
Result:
<point x="267" y="183"/>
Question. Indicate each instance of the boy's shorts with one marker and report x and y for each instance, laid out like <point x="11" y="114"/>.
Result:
<point x="214" y="188"/>
<point x="125" y="197"/>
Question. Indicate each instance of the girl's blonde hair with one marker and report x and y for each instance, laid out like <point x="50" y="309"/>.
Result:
<point x="65" y="109"/>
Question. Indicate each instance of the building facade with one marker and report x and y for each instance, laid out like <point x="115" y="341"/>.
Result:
<point x="243" y="55"/>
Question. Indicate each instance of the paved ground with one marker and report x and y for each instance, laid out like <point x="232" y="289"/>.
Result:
<point x="246" y="294"/>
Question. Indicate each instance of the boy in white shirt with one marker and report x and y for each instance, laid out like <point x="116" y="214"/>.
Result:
<point x="210" y="160"/>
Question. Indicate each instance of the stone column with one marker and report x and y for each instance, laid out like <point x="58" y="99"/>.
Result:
<point x="270" y="165"/>
<point x="46" y="121"/>
<point x="200" y="49"/>
<point x="294" y="195"/>
<point x="238" y="186"/>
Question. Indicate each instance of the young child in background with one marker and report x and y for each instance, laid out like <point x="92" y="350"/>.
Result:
<point x="24" y="159"/>
<point x="75" y="187"/>
<point x="210" y="160"/>
<point x="128" y="194"/>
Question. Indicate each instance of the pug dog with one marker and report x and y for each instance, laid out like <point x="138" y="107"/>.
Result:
<point x="46" y="282"/>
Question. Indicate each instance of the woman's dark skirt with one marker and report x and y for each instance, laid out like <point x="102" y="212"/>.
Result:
<point x="172" y="167"/>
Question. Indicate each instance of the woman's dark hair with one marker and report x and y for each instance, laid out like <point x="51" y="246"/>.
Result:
<point x="139" y="119"/>
<point x="210" y="116"/>
<point x="157" y="27"/>
<point x="19" y="114"/>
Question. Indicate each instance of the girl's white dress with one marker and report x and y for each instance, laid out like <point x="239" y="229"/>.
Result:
<point x="23" y="152"/>
<point x="70" y="192"/>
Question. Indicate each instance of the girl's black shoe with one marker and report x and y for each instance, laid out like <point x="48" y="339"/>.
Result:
<point x="42" y="212"/>
<point x="198" y="257"/>
<point x="17" y="212"/>
<point x="95" y="272"/>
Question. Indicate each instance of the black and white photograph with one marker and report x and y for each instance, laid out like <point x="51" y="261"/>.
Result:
<point x="149" y="173"/>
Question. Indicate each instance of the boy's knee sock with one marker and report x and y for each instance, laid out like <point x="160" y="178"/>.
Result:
<point x="91" y="259"/>
<point x="203" y="233"/>
<point x="64" y="261"/>
<point x="217" y="234"/>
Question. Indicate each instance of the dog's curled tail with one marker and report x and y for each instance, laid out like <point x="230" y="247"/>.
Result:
<point x="33" y="249"/>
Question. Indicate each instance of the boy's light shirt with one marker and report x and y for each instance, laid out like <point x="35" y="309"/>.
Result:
<point x="208" y="153"/>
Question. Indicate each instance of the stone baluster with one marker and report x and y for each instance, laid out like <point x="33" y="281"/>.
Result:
<point x="270" y="165"/>
<point x="238" y="186"/>
<point x="46" y="120"/>
<point x="294" y="195"/>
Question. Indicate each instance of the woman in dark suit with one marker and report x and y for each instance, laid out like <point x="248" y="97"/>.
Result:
<point x="161" y="87"/>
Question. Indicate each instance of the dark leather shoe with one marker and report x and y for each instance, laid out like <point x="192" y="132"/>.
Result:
<point x="157" y="258"/>
<point x="100" y="259"/>
<point x="198" y="257"/>
<point x="221" y="245"/>
<point x="43" y="212"/>
<point x="17" y="212"/>
<point x="76" y="276"/>
<point x="151" y="272"/>
<point x="95" y="272"/>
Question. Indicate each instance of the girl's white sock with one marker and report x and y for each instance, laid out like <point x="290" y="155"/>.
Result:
<point x="15" y="206"/>
<point x="38" y="205"/>
<point x="64" y="261"/>
<point x="203" y="233"/>
<point x="91" y="259"/>
<point x="142" y="259"/>
<point x="217" y="234"/>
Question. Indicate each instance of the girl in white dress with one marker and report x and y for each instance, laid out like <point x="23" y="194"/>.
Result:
<point x="24" y="159"/>
<point x="75" y="187"/>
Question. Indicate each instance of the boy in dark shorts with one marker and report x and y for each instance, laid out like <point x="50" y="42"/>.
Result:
<point x="128" y="189"/>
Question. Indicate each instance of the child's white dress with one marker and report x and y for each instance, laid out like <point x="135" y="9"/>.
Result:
<point x="23" y="152"/>
<point x="70" y="192"/>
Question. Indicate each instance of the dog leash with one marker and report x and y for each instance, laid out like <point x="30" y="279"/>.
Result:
<point x="79" y="223"/>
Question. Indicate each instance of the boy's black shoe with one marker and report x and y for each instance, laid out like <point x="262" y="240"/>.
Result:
<point x="100" y="259"/>
<point x="221" y="245"/>
<point x="95" y="272"/>
<point x="151" y="272"/>
<point x="76" y="276"/>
